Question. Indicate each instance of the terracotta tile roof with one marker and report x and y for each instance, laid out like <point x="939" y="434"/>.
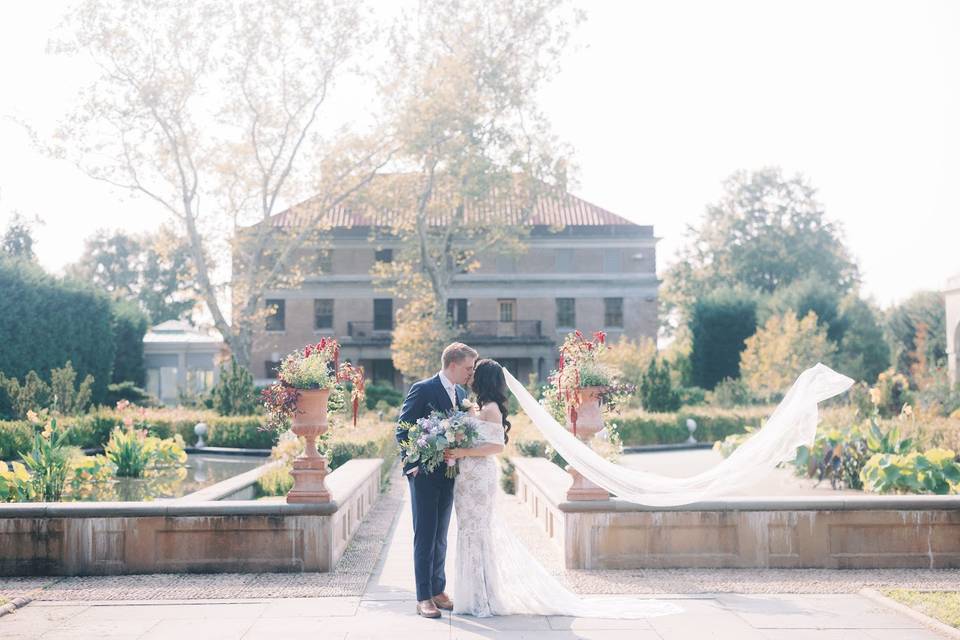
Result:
<point x="550" y="209"/>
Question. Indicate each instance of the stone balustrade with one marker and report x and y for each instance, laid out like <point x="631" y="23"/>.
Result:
<point x="837" y="532"/>
<point x="89" y="538"/>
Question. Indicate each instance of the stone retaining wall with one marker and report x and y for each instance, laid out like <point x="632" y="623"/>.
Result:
<point x="836" y="532"/>
<point x="183" y="536"/>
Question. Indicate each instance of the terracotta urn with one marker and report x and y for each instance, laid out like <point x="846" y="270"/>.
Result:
<point x="310" y="468"/>
<point x="589" y="422"/>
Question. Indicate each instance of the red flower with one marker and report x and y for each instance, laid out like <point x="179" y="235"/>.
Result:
<point x="600" y="336"/>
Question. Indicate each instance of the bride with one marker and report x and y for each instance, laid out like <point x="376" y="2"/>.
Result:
<point x="494" y="573"/>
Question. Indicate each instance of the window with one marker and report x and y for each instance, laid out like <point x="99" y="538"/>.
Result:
<point x="457" y="311"/>
<point x="324" y="261"/>
<point x="382" y="314"/>
<point x="271" y="368"/>
<point x="383" y="255"/>
<point x="566" y="313"/>
<point x="507" y="310"/>
<point x="276" y="321"/>
<point x="613" y="312"/>
<point x="611" y="262"/>
<point x="322" y="314"/>
<point x="563" y="260"/>
<point x="382" y="372"/>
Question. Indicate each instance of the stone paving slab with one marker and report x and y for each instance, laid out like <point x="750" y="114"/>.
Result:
<point x="787" y="617"/>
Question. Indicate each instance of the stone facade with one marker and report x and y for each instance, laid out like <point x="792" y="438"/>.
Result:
<point x="952" y="297"/>
<point x="594" y="272"/>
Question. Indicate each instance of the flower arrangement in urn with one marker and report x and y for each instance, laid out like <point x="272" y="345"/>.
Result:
<point x="316" y="367"/>
<point x="582" y="384"/>
<point x="579" y="391"/>
<point x="299" y="399"/>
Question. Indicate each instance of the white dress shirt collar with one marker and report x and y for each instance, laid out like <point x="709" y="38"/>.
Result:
<point x="449" y="386"/>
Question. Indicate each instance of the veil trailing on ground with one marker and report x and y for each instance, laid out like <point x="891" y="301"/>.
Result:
<point x="792" y="424"/>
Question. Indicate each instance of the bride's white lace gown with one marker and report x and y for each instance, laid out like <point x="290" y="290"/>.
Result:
<point x="495" y="574"/>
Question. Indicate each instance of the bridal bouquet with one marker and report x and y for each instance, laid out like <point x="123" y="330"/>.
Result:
<point x="431" y="436"/>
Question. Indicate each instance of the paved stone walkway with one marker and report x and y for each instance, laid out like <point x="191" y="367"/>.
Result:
<point x="385" y="610"/>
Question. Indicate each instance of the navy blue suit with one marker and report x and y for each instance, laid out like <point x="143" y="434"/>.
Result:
<point x="431" y="494"/>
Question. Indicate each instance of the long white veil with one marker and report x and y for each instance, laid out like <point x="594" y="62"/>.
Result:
<point x="792" y="424"/>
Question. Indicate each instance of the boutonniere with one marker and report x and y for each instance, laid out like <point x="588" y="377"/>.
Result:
<point x="467" y="405"/>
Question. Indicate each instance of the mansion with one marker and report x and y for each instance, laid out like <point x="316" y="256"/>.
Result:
<point x="584" y="268"/>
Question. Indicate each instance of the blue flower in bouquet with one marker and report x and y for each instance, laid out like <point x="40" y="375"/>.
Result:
<point x="434" y="434"/>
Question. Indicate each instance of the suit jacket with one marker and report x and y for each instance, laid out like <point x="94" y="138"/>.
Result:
<point x="424" y="398"/>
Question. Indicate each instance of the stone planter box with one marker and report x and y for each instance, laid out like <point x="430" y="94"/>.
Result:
<point x="188" y="535"/>
<point x="835" y="532"/>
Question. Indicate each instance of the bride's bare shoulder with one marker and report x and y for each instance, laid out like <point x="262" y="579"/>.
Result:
<point x="490" y="412"/>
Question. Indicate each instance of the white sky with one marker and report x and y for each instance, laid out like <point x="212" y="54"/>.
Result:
<point x="661" y="101"/>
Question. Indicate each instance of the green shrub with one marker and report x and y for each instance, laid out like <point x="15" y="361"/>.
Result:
<point x="692" y="396"/>
<point x="376" y="393"/>
<point x="66" y="398"/>
<point x="656" y="390"/>
<point x="130" y="392"/>
<point x="729" y="393"/>
<point x="934" y="471"/>
<point x="15" y="436"/>
<point x="233" y="394"/>
<point x="33" y="394"/>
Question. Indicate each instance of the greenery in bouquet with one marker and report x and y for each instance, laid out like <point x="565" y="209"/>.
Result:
<point x="316" y="366"/>
<point x="582" y="366"/>
<point x="429" y="437"/>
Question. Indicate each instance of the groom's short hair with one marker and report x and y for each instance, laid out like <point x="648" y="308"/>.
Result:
<point x="456" y="352"/>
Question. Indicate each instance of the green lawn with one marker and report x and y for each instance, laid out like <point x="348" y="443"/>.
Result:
<point x="942" y="605"/>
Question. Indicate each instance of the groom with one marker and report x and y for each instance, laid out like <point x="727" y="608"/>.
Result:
<point x="431" y="494"/>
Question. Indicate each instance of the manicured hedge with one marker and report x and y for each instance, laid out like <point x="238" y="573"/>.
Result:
<point x="719" y="325"/>
<point x="46" y="321"/>
<point x="671" y="428"/>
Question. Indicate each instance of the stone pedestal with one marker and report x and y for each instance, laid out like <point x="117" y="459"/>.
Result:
<point x="588" y="422"/>
<point x="583" y="489"/>
<point x="310" y="468"/>
<point x="308" y="484"/>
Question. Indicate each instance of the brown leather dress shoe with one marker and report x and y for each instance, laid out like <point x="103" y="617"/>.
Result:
<point x="427" y="609"/>
<point x="443" y="601"/>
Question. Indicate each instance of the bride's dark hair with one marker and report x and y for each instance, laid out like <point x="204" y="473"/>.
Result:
<point x="490" y="385"/>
